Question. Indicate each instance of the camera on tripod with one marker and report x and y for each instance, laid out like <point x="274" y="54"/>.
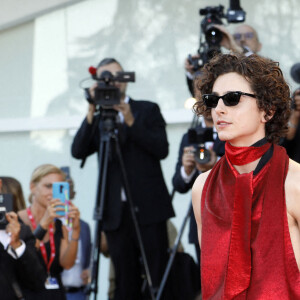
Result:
<point x="106" y="93"/>
<point x="198" y="137"/>
<point x="210" y="46"/>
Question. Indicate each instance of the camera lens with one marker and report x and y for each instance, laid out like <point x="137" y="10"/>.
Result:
<point x="213" y="36"/>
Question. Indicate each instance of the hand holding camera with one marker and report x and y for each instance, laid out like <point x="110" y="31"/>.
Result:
<point x="13" y="229"/>
<point x="190" y="162"/>
<point x="188" y="159"/>
<point x="125" y="109"/>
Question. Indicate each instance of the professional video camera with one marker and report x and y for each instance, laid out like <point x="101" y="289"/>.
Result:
<point x="106" y="93"/>
<point x="198" y="136"/>
<point x="210" y="46"/>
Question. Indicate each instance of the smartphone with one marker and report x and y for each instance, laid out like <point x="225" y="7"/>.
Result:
<point x="6" y="205"/>
<point x="61" y="191"/>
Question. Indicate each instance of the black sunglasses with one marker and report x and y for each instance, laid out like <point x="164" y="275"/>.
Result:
<point x="229" y="99"/>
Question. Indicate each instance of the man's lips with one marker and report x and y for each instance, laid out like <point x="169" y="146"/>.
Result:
<point x="223" y="123"/>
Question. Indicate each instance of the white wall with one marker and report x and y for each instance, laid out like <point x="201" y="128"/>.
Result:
<point x="43" y="61"/>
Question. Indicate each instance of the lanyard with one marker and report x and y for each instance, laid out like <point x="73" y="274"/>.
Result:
<point x="42" y="245"/>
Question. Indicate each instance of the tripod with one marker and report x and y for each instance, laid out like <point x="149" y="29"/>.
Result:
<point x="194" y="123"/>
<point x="173" y="252"/>
<point x="108" y="133"/>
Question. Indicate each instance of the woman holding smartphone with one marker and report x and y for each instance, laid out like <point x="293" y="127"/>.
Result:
<point x="56" y="251"/>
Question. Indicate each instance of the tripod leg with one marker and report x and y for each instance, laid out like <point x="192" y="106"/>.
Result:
<point x="136" y="226"/>
<point x="173" y="253"/>
<point x="98" y="212"/>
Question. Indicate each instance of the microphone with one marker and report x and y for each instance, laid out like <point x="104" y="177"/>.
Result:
<point x="93" y="72"/>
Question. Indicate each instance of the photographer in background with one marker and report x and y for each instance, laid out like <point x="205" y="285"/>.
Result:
<point x="76" y="278"/>
<point x="20" y="270"/>
<point x="143" y="143"/>
<point x="243" y="40"/>
<point x="188" y="169"/>
<point x="292" y="140"/>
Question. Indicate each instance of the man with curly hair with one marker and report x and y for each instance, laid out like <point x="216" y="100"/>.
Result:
<point x="247" y="207"/>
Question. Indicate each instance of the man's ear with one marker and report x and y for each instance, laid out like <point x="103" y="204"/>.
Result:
<point x="268" y="117"/>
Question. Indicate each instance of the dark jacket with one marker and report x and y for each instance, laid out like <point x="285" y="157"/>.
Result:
<point x="143" y="145"/>
<point x="24" y="273"/>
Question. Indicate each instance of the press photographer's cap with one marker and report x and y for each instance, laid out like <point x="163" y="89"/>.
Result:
<point x="295" y="72"/>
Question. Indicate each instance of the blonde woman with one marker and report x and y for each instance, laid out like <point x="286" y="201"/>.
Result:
<point x="56" y="250"/>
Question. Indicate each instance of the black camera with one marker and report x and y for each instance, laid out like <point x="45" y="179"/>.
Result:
<point x="6" y="205"/>
<point x="210" y="46"/>
<point x="198" y="136"/>
<point x="106" y="94"/>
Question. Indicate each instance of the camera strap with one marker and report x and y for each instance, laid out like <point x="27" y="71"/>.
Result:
<point x="42" y="245"/>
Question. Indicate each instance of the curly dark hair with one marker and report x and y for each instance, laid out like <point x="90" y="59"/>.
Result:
<point x="266" y="81"/>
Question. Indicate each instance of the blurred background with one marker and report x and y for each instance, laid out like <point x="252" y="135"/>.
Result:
<point x="48" y="46"/>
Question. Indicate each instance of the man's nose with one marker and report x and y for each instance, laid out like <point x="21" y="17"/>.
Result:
<point x="221" y="107"/>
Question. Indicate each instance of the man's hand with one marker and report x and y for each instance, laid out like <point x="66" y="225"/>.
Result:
<point x="85" y="276"/>
<point x="188" y="66"/>
<point x="13" y="229"/>
<point x="125" y="109"/>
<point x="188" y="159"/>
<point x="228" y="41"/>
<point x="210" y="164"/>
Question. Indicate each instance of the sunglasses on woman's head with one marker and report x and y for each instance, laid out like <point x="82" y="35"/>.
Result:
<point x="229" y="99"/>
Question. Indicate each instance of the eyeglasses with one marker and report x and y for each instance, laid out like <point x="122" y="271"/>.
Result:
<point x="229" y="99"/>
<point x="246" y="35"/>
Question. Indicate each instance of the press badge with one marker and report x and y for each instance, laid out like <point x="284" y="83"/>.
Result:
<point x="51" y="283"/>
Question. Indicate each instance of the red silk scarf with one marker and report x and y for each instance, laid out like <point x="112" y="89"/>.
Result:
<point x="246" y="252"/>
<point x="244" y="155"/>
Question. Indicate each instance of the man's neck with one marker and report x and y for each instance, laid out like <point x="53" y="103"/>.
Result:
<point x="247" y="168"/>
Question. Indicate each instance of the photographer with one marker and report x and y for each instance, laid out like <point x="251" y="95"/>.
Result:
<point x="292" y="140"/>
<point x="143" y="143"/>
<point x="243" y="40"/>
<point x="20" y="270"/>
<point x="56" y="251"/>
<point x="188" y="169"/>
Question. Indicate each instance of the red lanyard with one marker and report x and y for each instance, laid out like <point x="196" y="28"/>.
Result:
<point x="42" y="246"/>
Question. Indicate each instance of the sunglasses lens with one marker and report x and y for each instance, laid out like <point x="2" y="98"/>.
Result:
<point x="211" y="101"/>
<point x="232" y="99"/>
